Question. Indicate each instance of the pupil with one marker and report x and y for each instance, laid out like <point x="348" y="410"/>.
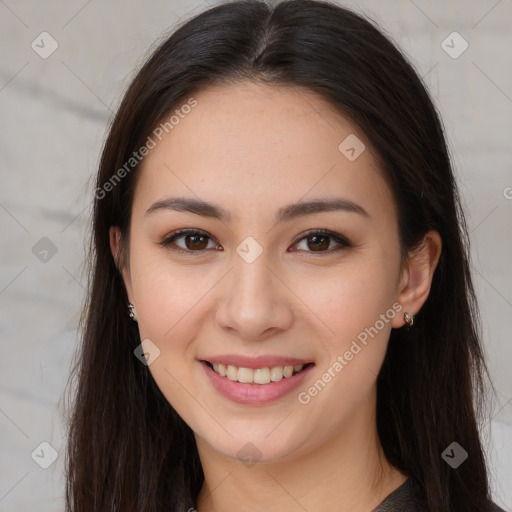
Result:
<point x="195" y="237"/>
<point x="315" y="239"/>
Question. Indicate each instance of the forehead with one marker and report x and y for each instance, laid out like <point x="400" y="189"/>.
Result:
<point x="249" y="145"/>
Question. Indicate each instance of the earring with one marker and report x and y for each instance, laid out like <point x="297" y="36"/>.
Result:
<point x="131" y="310"/>
<point x="409" y="318"/>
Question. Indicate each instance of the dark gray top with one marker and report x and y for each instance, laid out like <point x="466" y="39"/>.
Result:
<point x="402" y="500"/>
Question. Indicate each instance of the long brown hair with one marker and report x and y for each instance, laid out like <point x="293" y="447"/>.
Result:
<point x="128" y="450"/>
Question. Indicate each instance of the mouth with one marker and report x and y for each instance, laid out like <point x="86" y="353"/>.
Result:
<point x="257" y="376"/>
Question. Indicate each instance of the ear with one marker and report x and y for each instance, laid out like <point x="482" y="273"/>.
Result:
<point x="115" y="248"/>
<point x="416" y="277"/>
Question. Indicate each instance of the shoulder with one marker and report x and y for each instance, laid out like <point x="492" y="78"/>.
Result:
<point x="404" y="499"/>
<point x="401" y="499"/>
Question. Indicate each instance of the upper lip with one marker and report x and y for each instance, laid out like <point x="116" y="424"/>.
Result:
<point x="265" y="361"/>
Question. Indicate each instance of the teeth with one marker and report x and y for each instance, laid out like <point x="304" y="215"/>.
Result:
<point x="261" y="376"/>
<point x="245" y="375"/>
<point x="276" y="373"/>
<point x="232" y="372"/>
<point x="257" y="376"/>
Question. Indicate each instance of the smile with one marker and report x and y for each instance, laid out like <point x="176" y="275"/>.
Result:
<point x="256" y="375"/>
<point x="256" y="386"/>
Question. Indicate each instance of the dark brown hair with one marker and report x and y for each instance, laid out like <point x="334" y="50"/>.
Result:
<point x="128" y="450"/>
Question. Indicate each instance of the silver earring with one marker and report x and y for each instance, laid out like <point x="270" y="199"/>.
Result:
<point x="131" y="309"/>
<point x="409" y="318"/>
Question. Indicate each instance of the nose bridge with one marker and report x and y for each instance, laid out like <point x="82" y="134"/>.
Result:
<point x="252" y="271"/>
<point x="253" y="279"/>
<point x="252" y="286"/>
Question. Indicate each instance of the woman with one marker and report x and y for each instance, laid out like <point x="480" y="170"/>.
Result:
<point x="281" y="313"/>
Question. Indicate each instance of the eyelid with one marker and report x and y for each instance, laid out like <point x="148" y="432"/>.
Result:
<point x="341" y="240"/>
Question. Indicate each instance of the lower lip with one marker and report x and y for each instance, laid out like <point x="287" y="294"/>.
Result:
<point x="255" y="394"/>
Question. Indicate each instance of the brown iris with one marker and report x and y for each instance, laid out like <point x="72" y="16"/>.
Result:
<point x="199" y="241"/>
<point x="319" y="245"/>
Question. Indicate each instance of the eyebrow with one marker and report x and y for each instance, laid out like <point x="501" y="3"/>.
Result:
<point x="286" y="213"/>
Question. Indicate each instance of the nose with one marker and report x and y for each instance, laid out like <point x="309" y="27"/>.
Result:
<point x="255" y="302"/>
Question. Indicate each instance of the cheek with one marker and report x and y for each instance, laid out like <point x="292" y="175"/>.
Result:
<point x="358" y="309"/>
<point x="349" y="298"/>
<point x="166" y="293"/>
<point x="355" y="303"/>
<point x="168" y="300"/>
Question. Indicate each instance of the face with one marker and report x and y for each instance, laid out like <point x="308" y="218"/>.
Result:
<point x="252" y="285"/>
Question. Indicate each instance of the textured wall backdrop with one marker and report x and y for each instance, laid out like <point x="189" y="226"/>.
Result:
<point x="64" y="66"/>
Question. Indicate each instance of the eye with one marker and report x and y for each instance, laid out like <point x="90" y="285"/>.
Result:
<point x="320" y="240"/>
<point x="194" y="241"/>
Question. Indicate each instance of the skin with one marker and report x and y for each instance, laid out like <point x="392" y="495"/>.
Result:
<point x="252" y="149"/>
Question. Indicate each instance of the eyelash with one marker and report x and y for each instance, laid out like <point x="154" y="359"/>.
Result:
<point x="338" y="238"/>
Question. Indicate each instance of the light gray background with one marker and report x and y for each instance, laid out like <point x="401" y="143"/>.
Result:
<point x="54" y="115"/>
